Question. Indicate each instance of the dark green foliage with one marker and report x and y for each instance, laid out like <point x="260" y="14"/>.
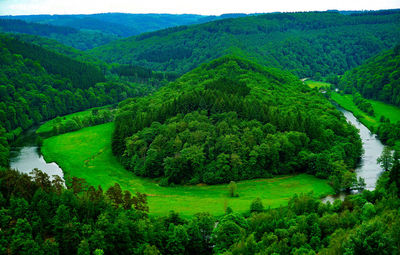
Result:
<point x="256" y="205"/>
<point x="232" y="187"/>
<point x="80" y="39"/>
<point x="20" y="26"/>
<point x="231" y="120"/>
<point x="81" y="75"/>
<point x="119" y="24"/>
<point x="141" y="74"/>
<point x="389" y="133"/>
<point x="39" y="217"/>
<point x="304" y="43"/>
<point x="55" y="46"/>
<point x="30" y="94"/>
<point x="76" y="123"/>
<point x="386" y="159"/>
<point x="363" y="104"/>
<point x="378" y="78"/>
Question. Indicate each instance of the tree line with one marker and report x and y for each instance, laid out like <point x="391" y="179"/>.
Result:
<point x="39" y="215"/>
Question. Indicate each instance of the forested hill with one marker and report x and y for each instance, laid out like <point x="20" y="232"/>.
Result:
<point x="80" y="39"/>
<point x="305" y="43"/>
<point x="231" y="120"/>
<point x="82" y="75"/>
<point x="121" y="24"/>
<point x="378" y="78"/>
<point x="53" y="45"/>
<point x="37" y="84"/>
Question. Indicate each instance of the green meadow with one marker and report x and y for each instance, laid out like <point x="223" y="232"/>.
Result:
<point x="372" y="122"/>
<point x="87" y="154"/>
<point x="47" y="127"/>
<point x="317" y="84"/>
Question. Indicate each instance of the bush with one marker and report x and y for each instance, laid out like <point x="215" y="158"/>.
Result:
<point x="256" y="205"/>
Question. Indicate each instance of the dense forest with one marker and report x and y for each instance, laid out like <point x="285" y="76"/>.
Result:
<point x="121" y="24"/>
<point x="40" y="216"/>
<point x="378" y="78"/>
<point x="53" y="45"/>
<point x="85" y="39"/>
<point x="88" y="31"/>
<point x="308" y="44"/>
<point x="232" y="120"/>
<point x="37" y="84"/>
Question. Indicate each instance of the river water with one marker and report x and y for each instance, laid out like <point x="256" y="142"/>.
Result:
<point x="368" y="168"/>
<point x="25" y="156"/>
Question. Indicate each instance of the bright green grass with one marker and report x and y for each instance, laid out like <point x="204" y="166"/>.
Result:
<point x="47" y="127"/>
<point x="87" y="153"/>
<point x="389" y="111"/>
<point x="317" y="84"/>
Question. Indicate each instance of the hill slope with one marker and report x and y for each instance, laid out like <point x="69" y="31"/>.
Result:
<point x="231" y="120"/>
<point x="81" y="75"/>
<point x="37" y="84"/>
<point x="305" y="43"/>
<point x="80" y="39"/>
<point x="120" y="24"/>
<point x="378" y="78"/>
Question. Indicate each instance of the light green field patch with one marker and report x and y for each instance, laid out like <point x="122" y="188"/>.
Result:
<point x="47" y="127"/>
<point x="317" y="84"/>
<point x="372" y="122"/>
<point x="87" y="154"/>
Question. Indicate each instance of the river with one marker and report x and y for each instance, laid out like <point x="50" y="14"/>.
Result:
<point x="25" y="155"/>
<point x="368" y="168"/>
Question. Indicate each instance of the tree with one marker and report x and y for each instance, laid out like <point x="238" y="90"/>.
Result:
<point x="386" y="159"/>
<point x="177" y="240"/>
<point x="256" y="205"/>
<point x="232" y="187"/>
<point x="370" y="238"/>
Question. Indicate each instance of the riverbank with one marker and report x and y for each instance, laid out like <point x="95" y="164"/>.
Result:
<point x="372" y="122"/>
<point x="87" y="154"/>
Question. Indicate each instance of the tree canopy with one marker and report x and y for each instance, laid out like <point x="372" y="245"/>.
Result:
<point x="231" y="120"/>
<point x="304" y="43"/>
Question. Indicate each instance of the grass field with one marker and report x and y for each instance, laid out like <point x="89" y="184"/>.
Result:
<point x="47" y="127"/>
<point x="389" y="111"/>
<point x="87" y="153"/>
<point x="317" y="84"/>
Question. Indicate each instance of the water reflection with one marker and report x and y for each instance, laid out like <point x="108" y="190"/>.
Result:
<point x="25" y="159"/>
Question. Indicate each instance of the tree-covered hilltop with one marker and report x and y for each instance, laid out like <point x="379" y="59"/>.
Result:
<point x="378" y="78"/>
<point x="37" y="85"/>
<point x="82" y="75"/>
<point x="53" y="45"/>
<point x="121" y="24"/>
<point x="80" y="39"/>
<point x="307" y="44"/>
<point x="232" y="120"/>
<point x="88" y="31"/>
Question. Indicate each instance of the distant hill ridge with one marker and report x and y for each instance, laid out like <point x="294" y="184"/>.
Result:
<point x="304" y="43"/>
